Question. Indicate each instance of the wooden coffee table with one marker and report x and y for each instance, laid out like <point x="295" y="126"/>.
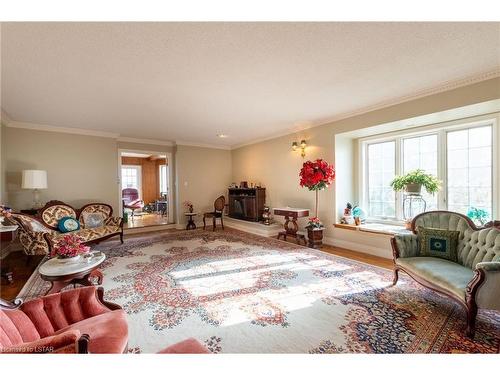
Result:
<point x="61" y="274"/>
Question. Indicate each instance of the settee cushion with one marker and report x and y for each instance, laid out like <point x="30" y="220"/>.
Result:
<point x="108" y="332"/>
<point x="89" y="234"/>
<point x="443" y="273"/>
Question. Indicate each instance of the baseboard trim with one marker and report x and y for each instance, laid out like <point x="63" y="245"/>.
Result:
<point x="360" y="248"/>
<point x="151" y="228"/>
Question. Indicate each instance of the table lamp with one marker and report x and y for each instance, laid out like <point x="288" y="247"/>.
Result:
<point x="35" y="179"/>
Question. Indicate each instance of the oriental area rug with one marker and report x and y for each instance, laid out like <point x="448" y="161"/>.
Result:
<point x="242" y="293"/>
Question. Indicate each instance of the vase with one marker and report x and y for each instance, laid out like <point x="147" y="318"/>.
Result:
<point x="69" y="260"/>
<point x="315" y="236"/>
<point x="191" y="209"/>
<point x="413" y="188"/>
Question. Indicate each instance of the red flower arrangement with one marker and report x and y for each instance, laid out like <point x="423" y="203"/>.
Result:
<point x="314" y="222"/>
<point x="316" y="175"/>
<point x="69" y="246"/>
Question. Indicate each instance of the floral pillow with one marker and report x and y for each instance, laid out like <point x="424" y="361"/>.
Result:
<point x="93" y="220"/>
<point x="37" y="226"/>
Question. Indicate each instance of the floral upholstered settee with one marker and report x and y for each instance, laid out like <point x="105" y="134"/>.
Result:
<point x="38" y="233"/>
<point x="473" y="280"/>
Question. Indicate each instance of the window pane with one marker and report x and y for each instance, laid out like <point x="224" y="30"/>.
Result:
<point x="469" y="169"/>
<point x="421" y="153"/>
<point x="381" y="171"/>
<point x="130" y="177"/>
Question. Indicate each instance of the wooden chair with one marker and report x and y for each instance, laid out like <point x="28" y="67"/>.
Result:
<point x="219" y="205"/>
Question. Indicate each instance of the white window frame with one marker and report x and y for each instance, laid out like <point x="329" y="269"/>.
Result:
<point x="138" y="168"/>
<point x="160" y="167"/>
<point x="441" y="130"/>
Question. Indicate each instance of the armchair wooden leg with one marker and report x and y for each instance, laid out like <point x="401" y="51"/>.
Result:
<point x="222" y="223"/>
<point x="471" y="321"/>
<point x="213" y="224"/>
<point x="396" y="276"/>
<point x="204" y="223"/>
<point x="470" y="301"/>
<point x="121" y="236"/>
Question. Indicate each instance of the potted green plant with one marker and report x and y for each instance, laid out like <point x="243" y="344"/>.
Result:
<point x="413" y="181"/>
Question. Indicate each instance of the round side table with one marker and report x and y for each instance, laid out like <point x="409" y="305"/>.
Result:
<point x="190" y="216"/>
<point x="61" y="274"/>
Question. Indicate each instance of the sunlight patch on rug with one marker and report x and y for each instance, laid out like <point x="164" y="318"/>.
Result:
<point x="240" y="293"/>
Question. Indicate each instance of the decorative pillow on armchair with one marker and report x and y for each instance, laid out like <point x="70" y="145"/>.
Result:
<point x="439" y="243"/>
<point x="93" y="220"/>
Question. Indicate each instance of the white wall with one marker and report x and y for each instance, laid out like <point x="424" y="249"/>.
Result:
<point x="202" y="175"/>
<point x="80" y="169"/>
<point x="273" y="163"/>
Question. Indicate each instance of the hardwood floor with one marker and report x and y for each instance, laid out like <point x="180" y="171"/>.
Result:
<point x="145" y="221"/>
<point x="17" y="263"/>
<point x="361" y="257"/>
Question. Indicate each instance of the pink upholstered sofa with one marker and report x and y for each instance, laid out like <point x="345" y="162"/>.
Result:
<point x="73" y="321"/>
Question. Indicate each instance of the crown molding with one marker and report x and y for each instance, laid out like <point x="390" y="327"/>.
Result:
<point x="60" y="129"/>
<point x="205" y="145"/>
<point x="443" y="87"/>
<point x="146" y="141"/>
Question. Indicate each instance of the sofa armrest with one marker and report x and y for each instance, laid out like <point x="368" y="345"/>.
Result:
<point x="405" y="245"/>
<point x="484" y="285"/>
<point x="65" y="342"/>
<point x="488" y="266"/>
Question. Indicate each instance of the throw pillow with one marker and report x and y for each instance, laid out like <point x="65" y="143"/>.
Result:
<point x="37" y="227"/>
<point x="68" y="224"/>
<point x="440" y="243"/>
<point x="93" y="220"/>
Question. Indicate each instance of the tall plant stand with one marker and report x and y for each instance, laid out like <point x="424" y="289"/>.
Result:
<point x="315" y="237"/>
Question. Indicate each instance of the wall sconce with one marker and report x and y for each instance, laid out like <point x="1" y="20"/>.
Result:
<point x="303" y="145"/>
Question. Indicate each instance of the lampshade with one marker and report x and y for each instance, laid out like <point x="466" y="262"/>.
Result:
<point x="34" y="179"/>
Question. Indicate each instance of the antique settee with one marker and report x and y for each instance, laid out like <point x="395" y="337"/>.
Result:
<point x="74" y="321"/>
<point x="38" y="233"/>
<point x="473" y="281"/>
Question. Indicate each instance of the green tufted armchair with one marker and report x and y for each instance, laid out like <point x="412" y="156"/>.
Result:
<point x="474" y="280"/>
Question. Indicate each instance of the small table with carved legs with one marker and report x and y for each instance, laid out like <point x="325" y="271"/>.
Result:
<point x="293" y="213"/>
<point x="62" y="273"/>
<point x="190" y="216"/>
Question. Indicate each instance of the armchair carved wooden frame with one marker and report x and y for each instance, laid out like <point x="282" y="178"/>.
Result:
<point x="53" y="324"/>
<point x="478" y="250"/>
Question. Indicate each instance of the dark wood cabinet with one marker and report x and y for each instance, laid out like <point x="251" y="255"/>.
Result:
<point x="246" y="203"/>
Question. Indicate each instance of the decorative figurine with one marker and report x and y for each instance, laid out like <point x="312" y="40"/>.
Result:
<point x="266" y="215"/>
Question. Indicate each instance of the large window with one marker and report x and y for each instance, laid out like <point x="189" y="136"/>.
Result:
<point x="381" y="171"/>
<point x="461" y="157"/>
<point x="469" y="169"/>
<point x="163" y="179"/>
<point x="131" y="177"/>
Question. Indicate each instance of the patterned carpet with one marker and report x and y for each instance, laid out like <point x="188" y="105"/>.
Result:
<point x="241" y="293"/>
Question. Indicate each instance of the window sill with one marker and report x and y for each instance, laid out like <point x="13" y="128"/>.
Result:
<point x="377" y="228"/>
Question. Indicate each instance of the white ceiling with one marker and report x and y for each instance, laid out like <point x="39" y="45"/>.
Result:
<point x="191" y="81"/>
